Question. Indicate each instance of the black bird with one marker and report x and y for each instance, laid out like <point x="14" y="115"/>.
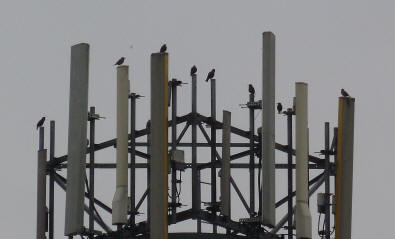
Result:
<point x="193" y="70"/>
<point x="210" y="75"/>
<point x="279" y="107"/>
<point x="163" y="48"/>
<point x="344" y="93"/>
<point x="120" y="61"/>
<point x="40" y="122"/>
<point x="251" y="89"/>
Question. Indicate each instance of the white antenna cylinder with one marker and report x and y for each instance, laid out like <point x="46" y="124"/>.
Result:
<point x="344" y="168"/>
<point x="158" y="148"/>
<point x="120" y="200"/>
<point x="76" y="153"/>
<point x="268" y="132"/>
<point x="302" y="214"/>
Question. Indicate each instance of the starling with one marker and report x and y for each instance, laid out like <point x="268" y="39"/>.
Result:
<point x="279" y="107"/>
<point x="163" y="48"/>
<point x="251" y="89"/>
<point x="344" y="93"/>
<point x="41" y="122"/>
<point x="210" y="75"/>
<point x="120" y="61"/>
<point x="193" y="70"/>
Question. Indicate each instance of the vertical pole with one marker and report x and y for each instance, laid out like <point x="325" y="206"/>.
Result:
<point x="302" y="214"/>
<point x="51" y="228"/>
<point x="268" y="129"/>
<point x="213" y="148"/>
<point x="91" y="169"/>
<point x="133" y="160"/>
<point x="148" y="126"/>
<point x="173" y="148"/>
<point x="120" y="199"/>
<point x="290" y="179"/>
<point x="41" y="187"/>
<point x="327" y="183"/>
<point x="252" y="157"/>
<point x="76" y="152"/>
<point x="259" y="131"/>
<point x="159" y="147"/>
<point x="344" y="167"/>
<point x="195" y="200"/>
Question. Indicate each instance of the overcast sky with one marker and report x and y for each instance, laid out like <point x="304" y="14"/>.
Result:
<point x="328" y="44"/>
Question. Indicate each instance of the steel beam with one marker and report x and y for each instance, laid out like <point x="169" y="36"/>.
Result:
<point x="213" y="149"/>
<point x="132" y="153"/>
<point x="91" y="170"/>
<point x="41" y="188"/>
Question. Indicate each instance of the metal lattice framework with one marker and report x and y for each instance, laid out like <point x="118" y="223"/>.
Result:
<point x="251" y="155"/>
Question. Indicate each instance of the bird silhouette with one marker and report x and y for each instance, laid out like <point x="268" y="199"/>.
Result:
<point x="120" y="61"/>
<point x="40" y="122"/>
<point x="279" y="107"/>
<point x="251" y="89"/>
<point x="344" y="93"/>
<point x="193" y="70"/>
<point x="163" y="48"/>
<point x="210" y="75"/>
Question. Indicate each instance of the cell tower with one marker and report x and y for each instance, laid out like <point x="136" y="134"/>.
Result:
<point x="165" y="159"/>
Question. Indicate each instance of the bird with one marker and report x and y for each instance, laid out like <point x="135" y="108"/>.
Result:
<point x="163" y="48"/>
<point x="210" y="75"/>
<point x="120" y="61"/>
<point x="251" y="89"/>
<point x="40" y="122"/>
<point x="279" y="107"/>
<point x="344" y="93"/>
<point x="193" y="70"/>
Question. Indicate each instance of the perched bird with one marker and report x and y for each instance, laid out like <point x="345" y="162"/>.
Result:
<point x="279" y="107"/>
<point x="210" y="75"/>
<point x="251" y="89"/>
<point x="344" y="93"/>
<point x="120" y="61"/>
<point x="193" y="70"/>
<point x="163" y="48"/>
<point x="40" y="122"/>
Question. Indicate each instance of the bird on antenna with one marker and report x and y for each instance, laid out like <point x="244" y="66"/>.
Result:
<point x="210" y="75"/>
<point x="279" y="107"/>
<point x="40" y="122"/>
<point x="163" y="48"/>
<point x="193" y="70"/>
<point x="344" y="93"/>
<point x="120" y="61"/>
<point x="251" y="89"/>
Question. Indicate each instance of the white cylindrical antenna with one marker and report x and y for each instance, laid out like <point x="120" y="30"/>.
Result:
<point x="344" y="169"/>
<point x="76" y="153"/>
<point x="120" y="200"/>
<point x="302" y="214"/>
<point x="268" y="126"/>
<point x="159" y="152"/>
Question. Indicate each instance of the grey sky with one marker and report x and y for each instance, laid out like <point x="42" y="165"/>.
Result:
<point x="328" y="44"/>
